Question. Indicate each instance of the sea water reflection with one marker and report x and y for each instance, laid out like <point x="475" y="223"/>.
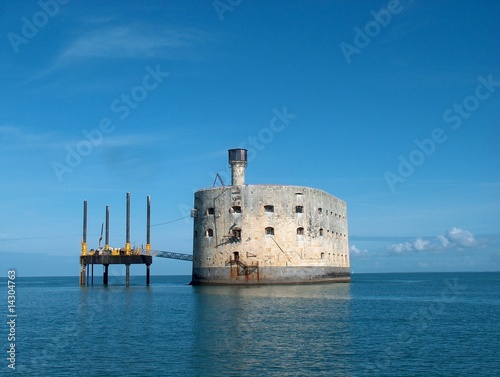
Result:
<point x="265" y="330"/>
<point x="377" y="325"/>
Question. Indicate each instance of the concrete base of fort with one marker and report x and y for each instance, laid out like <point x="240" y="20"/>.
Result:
<point x="231" y="275"/>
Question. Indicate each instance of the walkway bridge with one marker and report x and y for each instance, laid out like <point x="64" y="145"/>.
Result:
<point x="171" y="255"/>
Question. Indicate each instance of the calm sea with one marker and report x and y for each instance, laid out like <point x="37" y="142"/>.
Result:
<point x="377" y="325"/>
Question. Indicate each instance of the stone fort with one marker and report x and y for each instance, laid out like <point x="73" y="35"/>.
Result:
<point x="267" y="234"/>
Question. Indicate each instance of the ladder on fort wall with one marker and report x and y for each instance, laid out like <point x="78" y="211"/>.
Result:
<point x="243" y="268"/>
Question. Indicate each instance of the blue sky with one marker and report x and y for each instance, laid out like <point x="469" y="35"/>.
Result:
<point x="392" y="106"/>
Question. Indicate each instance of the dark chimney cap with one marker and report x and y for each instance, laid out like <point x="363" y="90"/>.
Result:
<point x="237" y="155"/>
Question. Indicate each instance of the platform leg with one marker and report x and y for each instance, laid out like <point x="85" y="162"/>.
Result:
<point x="82" y="274"/>
<point x="147" y="273"/>
<point x="105" y="275"/>
<point x="127" y="275"/>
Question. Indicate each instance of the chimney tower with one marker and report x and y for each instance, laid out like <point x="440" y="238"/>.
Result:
<point x="238" y="162"/>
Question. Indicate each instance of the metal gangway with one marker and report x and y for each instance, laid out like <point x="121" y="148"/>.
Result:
<point x="171" y="255"/>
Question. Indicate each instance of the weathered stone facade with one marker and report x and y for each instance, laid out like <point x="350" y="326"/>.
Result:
<point x="247" y="234"/>
<point x="269" y="234"/>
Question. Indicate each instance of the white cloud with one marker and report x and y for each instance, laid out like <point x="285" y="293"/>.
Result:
<point x="132" y="140"/>
<point x="401" y="247"/>
<point x="453" y="238"/>
<point x="131" y="42"/>
<point x="121" y="42"/>
<point x="99" y="19"/>
<point x="444" y="242"/>
<point x="18" y="138"/>
<point x="460" y="237"/>
<point x="418" y="244"/>
<point x="355" y="250"/>
<point x="9" y="130"/>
